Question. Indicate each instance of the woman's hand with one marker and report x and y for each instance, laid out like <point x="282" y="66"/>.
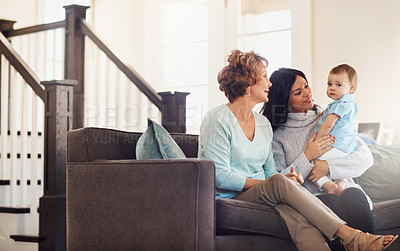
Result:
<point x="293" y="175"/>
<point x="317" y="147"/>
<point x="250" y="183"/>
<point x="321" y="169"/>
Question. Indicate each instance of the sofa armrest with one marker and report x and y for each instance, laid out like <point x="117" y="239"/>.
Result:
<point x="136" y="205"/>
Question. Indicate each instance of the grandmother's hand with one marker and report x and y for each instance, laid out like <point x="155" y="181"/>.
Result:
<point x="293" y="175"/>
<point x="317" y="147"/>
<point x="321" y="169"/>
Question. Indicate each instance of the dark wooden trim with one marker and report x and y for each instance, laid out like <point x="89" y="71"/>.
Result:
<point x="4" y="182"/>
<point x="132" y="75"/>
<point x="6" y="25"/>
<point x="74" y="58"/>
<point x="173" y="113"/>
<point x="28" y="182"/>
<point x="15" y="210"/>
<point x="26" y="238"/>
<point x="34" y="29"/>
<point x="21" y="66"/>
<point x="58" y="121"/>
<point x="29" y="133"/>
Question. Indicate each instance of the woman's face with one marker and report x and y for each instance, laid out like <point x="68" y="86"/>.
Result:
<point x="300" y="99"/>
<point x="259" y="91"/>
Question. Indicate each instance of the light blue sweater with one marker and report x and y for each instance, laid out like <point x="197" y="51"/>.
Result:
<point x="235" y="157"/>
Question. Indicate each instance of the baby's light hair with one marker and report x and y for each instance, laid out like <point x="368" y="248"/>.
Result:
<point x="351" y="73"/>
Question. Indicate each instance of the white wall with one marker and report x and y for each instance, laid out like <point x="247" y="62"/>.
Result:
<point x="362" y="33"/>
<point x="27" y="15"/>
<point x="302" y="36"/>
<point x="121" y="25"/>
<point x="366" y="35"/>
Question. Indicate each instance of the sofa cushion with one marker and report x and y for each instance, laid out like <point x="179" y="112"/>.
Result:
<point x="156" y="143"/>
<point x="252" y="243"/>
<point x="387" y="215"/>
<point x="247" y="218"/>
<point x="381" y="180"/>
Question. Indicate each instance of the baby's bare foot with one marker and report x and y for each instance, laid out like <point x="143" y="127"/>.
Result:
<point x="341" y="184"/>
<point x="339" y="190"/>
<point x="332" y="188"/>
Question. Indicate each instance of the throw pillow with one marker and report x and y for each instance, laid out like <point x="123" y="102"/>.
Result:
<point x="381" y="180"/>
<point x="156" y="143"/>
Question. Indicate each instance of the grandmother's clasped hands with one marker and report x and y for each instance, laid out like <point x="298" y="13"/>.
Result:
<point x="293" y="175"/>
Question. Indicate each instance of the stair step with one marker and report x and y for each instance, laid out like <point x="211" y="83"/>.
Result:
<point x="15" y="210"/>
<point x="26" y="238"/>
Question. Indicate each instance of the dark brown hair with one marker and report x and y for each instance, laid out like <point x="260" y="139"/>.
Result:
<point x="241" y="72"/>
<point x="277" y="108"/>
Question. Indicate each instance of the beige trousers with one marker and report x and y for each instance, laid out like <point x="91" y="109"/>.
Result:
<point x="306" y="217"/>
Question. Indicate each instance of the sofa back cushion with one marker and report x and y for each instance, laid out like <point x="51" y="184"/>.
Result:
<point x="381" y="180"/>
<point x="93" y="143"/>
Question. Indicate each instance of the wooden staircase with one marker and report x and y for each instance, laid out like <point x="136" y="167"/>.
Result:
<point x="20" y="187"/>
<point x="25" y="223"/>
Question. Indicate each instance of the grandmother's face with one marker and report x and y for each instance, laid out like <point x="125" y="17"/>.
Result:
<point x="300" y="99"/>
<point x="259" y="91"/>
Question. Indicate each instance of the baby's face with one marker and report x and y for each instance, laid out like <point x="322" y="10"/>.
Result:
<point x="338" y="85"/>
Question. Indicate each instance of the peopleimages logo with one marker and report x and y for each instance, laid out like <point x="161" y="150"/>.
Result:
<point x="110" y="138"/>
<point x="135" y="117"/>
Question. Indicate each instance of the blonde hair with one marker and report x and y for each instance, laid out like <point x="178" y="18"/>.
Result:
<point x="241" y="72"/>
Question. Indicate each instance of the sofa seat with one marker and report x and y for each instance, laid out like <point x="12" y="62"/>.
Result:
<point x="242" y="217"/>
<point x="114" y="199"/>
<point x="387" y="217"/>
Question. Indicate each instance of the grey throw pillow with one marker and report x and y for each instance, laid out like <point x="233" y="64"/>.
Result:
<point x="156" y="143"/>
<point x="382" y="180"/>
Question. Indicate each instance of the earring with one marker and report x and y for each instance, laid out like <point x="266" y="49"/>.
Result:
<point x="248" y="93"/>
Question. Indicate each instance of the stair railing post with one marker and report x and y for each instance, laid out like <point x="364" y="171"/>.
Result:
<point x="173" y="111"/>
<point x="52" y="206"/>
<point x="5" y="26"/>
<point x="74" y="65"/>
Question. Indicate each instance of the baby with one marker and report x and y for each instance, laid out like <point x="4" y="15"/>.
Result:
<point x="338" y="120"/>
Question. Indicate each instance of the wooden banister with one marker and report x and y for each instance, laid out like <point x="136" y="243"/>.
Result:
<point x="34" y="29"/>
<point x="21" y="66"/>
<point x="133" y="76"/>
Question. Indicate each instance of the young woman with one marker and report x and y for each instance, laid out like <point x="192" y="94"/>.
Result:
<point x="238" y="141"/>
<point x="293" y="115"/>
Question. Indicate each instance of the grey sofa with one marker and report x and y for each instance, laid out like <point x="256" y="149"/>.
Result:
<point x="115" y="202"/>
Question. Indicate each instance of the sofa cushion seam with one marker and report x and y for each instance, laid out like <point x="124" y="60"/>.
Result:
<point x="255" y="209"/>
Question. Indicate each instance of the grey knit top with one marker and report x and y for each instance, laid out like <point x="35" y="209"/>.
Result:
<point x="290" y="141"/>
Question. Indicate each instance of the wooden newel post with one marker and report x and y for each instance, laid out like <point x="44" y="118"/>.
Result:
<point x="5" y="26"/>
<point x="74" y="66"/>
<point x="52" y="206"/>
<point x="174" y="111"/>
